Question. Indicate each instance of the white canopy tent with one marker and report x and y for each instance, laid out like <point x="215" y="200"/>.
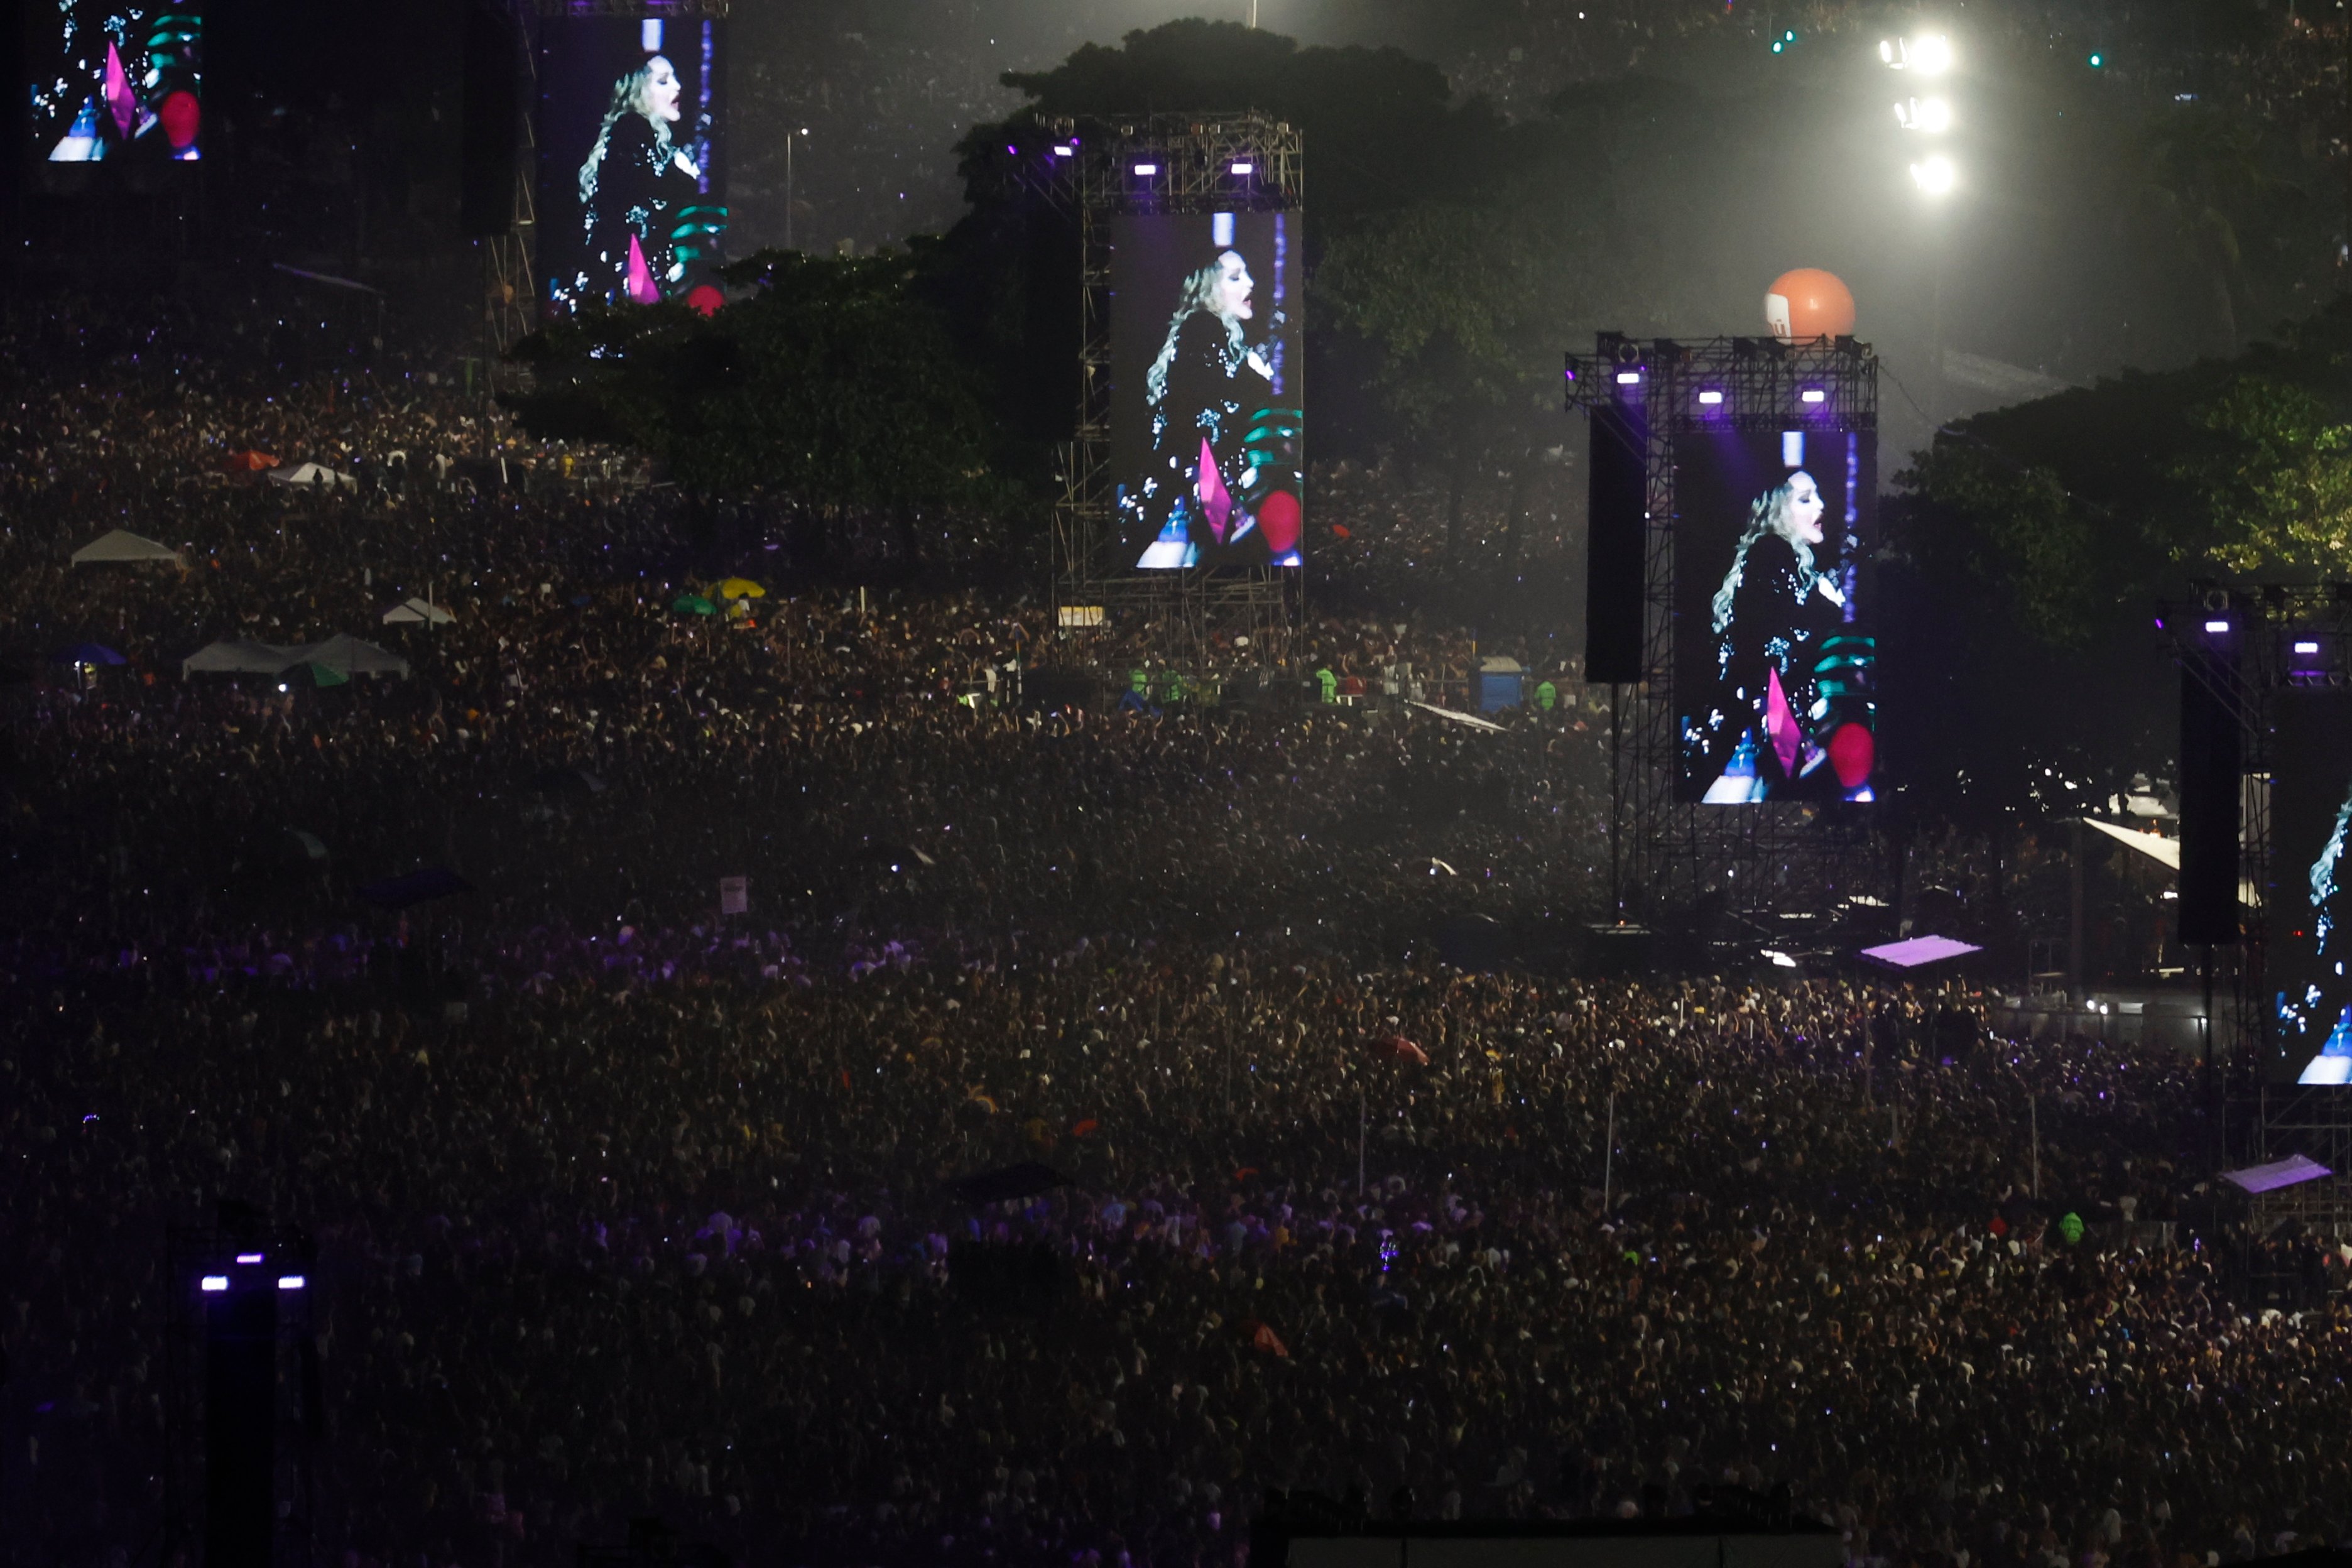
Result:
<point x="242" y="657"/>
<point x="347" y="655"/>
<point x="344" y="655"/>
<point x="315" y="475"/>
<point x="417" y="612"/>
<point x="121" y="544"/>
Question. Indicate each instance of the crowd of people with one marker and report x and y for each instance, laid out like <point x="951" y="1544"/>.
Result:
<point x="615" y="1202"/>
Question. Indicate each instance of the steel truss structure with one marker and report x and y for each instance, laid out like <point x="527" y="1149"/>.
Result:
<point x="2244" y="665"/>
<point x="1777" y="861"/>
<point x="1087" y="169"/>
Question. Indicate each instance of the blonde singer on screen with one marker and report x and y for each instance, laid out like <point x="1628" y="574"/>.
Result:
<point x="635" y="180"/>
<point x="1770" y="617"/>
<point x="1208" y="498"/>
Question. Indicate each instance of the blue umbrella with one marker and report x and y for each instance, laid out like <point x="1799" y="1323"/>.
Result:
<point x="87" y="653"/>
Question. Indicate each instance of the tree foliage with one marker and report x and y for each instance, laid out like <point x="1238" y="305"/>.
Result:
<point x="835" y="382"/>
<point x="2030" y="546"/>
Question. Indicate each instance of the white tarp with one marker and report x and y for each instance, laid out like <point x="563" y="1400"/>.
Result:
<point x="417" y="612"/>
<point x="121" y="544"/>
<point x="313" y="474"/>
<point x="243" y="657"/>
<point x="1470" y="718"/>
<point x="2165" y="852"/>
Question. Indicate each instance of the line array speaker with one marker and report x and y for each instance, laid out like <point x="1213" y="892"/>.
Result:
<point x="492" y="99"/>
<point x="1616" y="516"/>
<point x="2209" y="813"/>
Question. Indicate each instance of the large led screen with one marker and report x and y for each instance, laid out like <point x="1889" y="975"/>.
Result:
<point x="1209" y="425"/>
<point x="2311" y="885"/>
<point x="632" y="206"/>
<point x="113" y="82"/>
<point x="1772" y="648"/>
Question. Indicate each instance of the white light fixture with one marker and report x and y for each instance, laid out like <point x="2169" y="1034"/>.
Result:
<point x="1244" y="168"/>
<point x="1710" y="397"/>
<point x="1780" y="960"/>
<point x="1929" y="55"/>
<point x="290" y="1282"/>
<point x="1628" y="377"/>
<point x="248" y="1258"/>
<point x="1813" y="395"/>
<point x="215" y="1282"/>
<point x="1147" y="170"/>
<point x="1061" y="150"/>
<point x="1930" y="115"/>
<point x="2306" y="647"/>
<point x="1935" y="176"/>
<point x="2217" y="628"/>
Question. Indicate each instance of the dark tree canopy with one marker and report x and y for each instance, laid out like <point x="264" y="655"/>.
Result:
<point x="835" y="383"/>
<point x="2030" y="546"/>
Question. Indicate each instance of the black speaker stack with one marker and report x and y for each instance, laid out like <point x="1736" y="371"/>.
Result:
<point x="492" y="106"/>
<point x="1617" y="517"/>
<point x="2210" y="769"/>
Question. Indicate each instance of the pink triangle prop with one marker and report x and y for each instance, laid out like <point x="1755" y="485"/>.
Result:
<point x="1780" y="724"/>
<point x="1216" y="502"/>
<point x="642" y="288"/>
<point x="119" y="98"/>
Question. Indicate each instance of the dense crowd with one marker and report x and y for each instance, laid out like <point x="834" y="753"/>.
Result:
<point x="616" y="1205"/>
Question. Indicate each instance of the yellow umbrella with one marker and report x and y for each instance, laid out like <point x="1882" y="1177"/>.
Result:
<point x="741" y="588"/>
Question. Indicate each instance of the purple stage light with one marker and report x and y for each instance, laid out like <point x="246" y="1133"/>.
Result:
<point x="1011" y="150"/>
<point x="2277" y="1174"/>
<point x="214" y="1282"/>
<point x="248" y="1258"/>
<point x="1917" y="950"/>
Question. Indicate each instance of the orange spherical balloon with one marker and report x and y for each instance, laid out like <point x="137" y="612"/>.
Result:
<point x="1808" y="304"/>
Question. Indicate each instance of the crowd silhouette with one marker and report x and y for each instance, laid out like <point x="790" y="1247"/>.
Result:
<point x="625" y="1206"/>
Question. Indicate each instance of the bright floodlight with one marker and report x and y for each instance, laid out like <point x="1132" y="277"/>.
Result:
<point x="215" y="1282"/>
<point x="2306" y="647"/>
<point x="1813" y="395"/>
<point x="1244" y="168"/>
<point x="1935" y="175"/>
<point x="248" y="1258"/>
<point x="1710" y="397"/>
<point x="1628" y="377"/>
<point x="1930" y="55"/>
<point x="290" y="1281"/>
<point x="1147" y="170"/>
<point x="2217" y="628"/>
<point x="1932" y="115"/>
